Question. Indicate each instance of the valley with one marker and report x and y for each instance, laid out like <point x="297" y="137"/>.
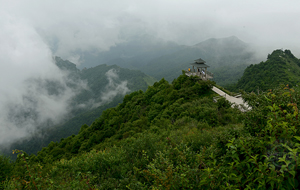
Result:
<point x="127" y="129"/>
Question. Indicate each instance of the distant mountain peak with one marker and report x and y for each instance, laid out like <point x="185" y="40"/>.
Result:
<point x="281" y="67"/>
<point x="219" y="41"/>
<point x="232" y="37"/>
<point x="65" y="64"/>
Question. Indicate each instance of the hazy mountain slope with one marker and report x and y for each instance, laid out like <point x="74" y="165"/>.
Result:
<point x="66" y="129"/>
<point x="159" y="107"/>
<point x="227" y="58"/>
<point x="133" y="53"/>
<point x="173" y="136"/>
<point x="106" y="81"/>
<point x="106" y="87"/>
<point x="281" y="67"/>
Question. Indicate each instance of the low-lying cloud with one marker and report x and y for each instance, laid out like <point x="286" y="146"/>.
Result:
<point x="113" y="88"/>
<point x="32" y="31"/>
<point x="33" y="90"/>
<point x="70" y="27"/>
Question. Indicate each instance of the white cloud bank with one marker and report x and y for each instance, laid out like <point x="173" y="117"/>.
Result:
<point x="113" y="88"/>
<point x="26" y="68"/>
<point x="30" y="31"/>
<point x="69" y="27"/>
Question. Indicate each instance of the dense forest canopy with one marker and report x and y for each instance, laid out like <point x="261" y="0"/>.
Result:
<point x="173" y="136"/>
<point x="105" y="88"/>
<point x="118" y="110"/>
<point x="281" y="67"/>
<point x="227" y="57"/>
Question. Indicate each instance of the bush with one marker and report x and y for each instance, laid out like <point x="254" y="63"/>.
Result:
<point x="5" y="168"/>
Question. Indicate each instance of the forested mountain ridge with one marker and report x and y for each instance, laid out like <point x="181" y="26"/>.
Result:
<point x="160" y="108"/>
<point x="281" y="67"/>
<point x="227" y="57"/>
<point x="138" y="112"/>
<point x="105" y="88"/>
<point x="173" y="136"/>
<point x="133" y="52"/>
<point x="66" y="65"/>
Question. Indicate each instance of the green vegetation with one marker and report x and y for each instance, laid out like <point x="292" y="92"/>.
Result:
<point x="226" y="91"/>
<point x="281" y="67"/>
<point x="149" y="80"/>
<point x="5" y="168"/>
<point x="86" y="106"/>
<point x="173" y="136"/>
<point x="227" y="58"/>
<point x="116" y="149"/>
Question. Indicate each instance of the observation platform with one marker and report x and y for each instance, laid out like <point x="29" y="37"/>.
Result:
<point x="199" y="69"/>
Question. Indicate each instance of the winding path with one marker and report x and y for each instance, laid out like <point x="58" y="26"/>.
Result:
<point x="237" y="101"/>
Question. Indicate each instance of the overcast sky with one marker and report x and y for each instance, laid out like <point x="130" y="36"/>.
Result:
<point x="70" y="25"/>
<point x="31" y="31"/>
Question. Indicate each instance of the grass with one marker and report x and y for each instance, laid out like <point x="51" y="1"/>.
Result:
<point x="150" y="80"/>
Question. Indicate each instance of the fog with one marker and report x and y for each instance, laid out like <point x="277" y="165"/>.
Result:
<point x="71" y="26"/>
<point x="32" y="31"/>
<point x="113" y="88"/>
<point x="26" y="67"/>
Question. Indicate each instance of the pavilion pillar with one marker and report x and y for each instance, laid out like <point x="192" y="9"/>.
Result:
<point x="201" y="68"/>
<point x="201" y="74"/>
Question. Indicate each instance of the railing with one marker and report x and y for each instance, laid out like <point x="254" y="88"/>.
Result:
<point x="199" y="74"/>
<point x="209" y="73"/>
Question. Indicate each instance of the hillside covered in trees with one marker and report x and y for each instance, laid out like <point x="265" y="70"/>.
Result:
<point x="173" y="136"/>
<point x="104" y="87"/>
<point x="281" y="67"/>
<point x="227" y="57"/>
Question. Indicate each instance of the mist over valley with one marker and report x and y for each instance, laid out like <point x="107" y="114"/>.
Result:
<point x="102" y="94"/>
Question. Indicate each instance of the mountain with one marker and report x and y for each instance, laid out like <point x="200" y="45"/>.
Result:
<point x="186" y="102"/>
<point x="132" y="53"/>
<point x="281" y="67"/>
<point x="227" y="58"/>
<point x="172" y="136"/>
<point x="66" y="65"/>
<point x="105" y="88"/>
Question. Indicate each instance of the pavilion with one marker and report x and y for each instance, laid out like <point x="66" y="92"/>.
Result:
<point x="199" y="69"/>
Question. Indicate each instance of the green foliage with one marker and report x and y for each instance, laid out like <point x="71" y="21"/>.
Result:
<point x="227" y="58"/>
<point x="6" y="167"/>
<point x="82" y="106"/>
<point x="160" y="105"/>
<point x="148" y="127"/>
<point x="223" y="103"/>
<point x="281" y="67"/>
<point x="154" y="140"/>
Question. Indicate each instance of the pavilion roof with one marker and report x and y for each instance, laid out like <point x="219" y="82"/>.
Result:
<point x="199" y="63"/>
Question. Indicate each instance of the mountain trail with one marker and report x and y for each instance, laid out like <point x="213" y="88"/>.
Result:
<point x="234" y="100"/>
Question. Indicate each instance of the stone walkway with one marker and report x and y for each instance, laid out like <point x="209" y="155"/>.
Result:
<point x="237" y="101"/>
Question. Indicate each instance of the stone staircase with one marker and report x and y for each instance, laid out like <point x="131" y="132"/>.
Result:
<point x="235" y="100"/>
